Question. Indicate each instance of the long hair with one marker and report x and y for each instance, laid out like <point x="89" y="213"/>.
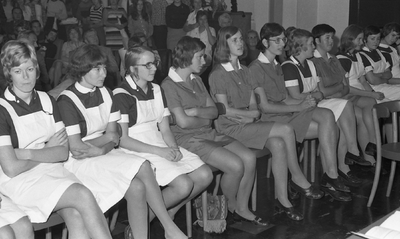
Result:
<point x="135" y="13"/>
<point x="14" y="53"/>
<point x="297" y="40"/>
<point x="222" y="53"/>
<point x="346" y="40"/>
<point x="84" y="59"/>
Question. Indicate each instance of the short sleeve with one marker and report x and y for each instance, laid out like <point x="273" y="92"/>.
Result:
<point x="69" y="114"/>
<point x="346" y="64"/>
<point x="5" y="129"/>
<point x="290" y="74"/>
<point x="127" y="107"/>
<point x="256" y="75"/>
<point x="366" y="63"/>
<point x="170" y="93"/>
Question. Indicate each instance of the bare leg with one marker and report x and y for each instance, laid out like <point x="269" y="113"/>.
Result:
<point x="362" y="133"/>
<point x="156" y="202"/>
<point x="93" y="218"/>
<point x="323" y="126"/>
<point x="232" y="167"/>
<point x="366" y="104"/>
<point x="201" y="178"/>
<point x="347" y="124"/>
<point x="342" y="150"/>
<point x="286" y="133"/>
<point x="279" y="168"/>
<point x="245" y="186"/>
<point x="7" y="232"/>
<point x="137" y="209"/>
<point x="22" y="229"/>
<point x="74" y="222"/>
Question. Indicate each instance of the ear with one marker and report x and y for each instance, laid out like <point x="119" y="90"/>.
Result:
<point x="265" y="43"/>
<point x="317" y="41"/>
<point x="132" y="69"/>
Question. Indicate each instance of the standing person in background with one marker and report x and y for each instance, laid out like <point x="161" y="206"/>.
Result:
<point x="17" y="24"/>
<point x="139" y="20"/>
<point x="251" y="40"/>
<point x="56" y="12"/>
<point x="175" y="16"/>
<point x="96" y="21"/>
<point x="191" y="22"/>
<point x="8" y="5"/>
<point x="160" y="29"/>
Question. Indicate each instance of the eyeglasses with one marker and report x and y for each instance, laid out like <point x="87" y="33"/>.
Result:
<point x="279" y="40"/>
<point x="148" y="65"/>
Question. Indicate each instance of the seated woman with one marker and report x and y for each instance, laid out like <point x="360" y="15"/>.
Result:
<point x="14" y="223"/>
<point x="33" y="148"/>
<point x="336" y="85"/>
<point x="390" y="34"/>
<point x="307" y="121"/>
<point x="230" y="85"/>
<point x="252" y="39"/>
<point x="147" y="133"/>
<point x="60" y="66"/>
<point x="301" y="80"/>
<point x="91" y="117"/>
<point x="194" y="110"/>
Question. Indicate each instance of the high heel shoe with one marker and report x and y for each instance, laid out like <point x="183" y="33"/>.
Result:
<point x="256" y="221"/>
<point x="370" y="149"/>
<point x="310" y="192"/>
<point x="336" y="183"/>
<point x="289" y="211"/>
<point x="351" y="159"/>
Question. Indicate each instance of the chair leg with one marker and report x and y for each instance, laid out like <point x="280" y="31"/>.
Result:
<point x="189" y="218"/>
<point x="391" y="177"/>
<point x="269" y="169"/>
<point x="254" y="195"/>
<point x="113" y="221"/>
<point x="64" y="232"/>
<point x="217" y="183"/>
<point x="376" y="180"/>
<point x="48" y="233"/>
<point x="313" y="156"/>
<point x="305" y="161"/>
<point x="204" y="205"/>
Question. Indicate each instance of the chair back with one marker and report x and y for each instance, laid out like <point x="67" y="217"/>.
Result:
<point x="383" y="111"/>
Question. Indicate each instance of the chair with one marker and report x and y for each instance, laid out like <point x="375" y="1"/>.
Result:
<point x="389" y="150"/>
<point x="53" y="220"/>
<point x="165" y="64"/>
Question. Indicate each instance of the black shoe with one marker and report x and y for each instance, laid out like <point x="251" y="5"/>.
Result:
<point x="350" y="159"/>
<point x="230" y="218"/>
<point x="256" y="221"/>
<point x="289" y="211"/>
<point x="310" y="192"/>
<point x="350" y="179"/>
<point x="370" y="149"/>
<point x="293" y="195"/>
<point x="336" y="183"/>
<point x="337" y="195"/>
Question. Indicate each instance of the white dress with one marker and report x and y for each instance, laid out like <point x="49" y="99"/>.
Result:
<point x="149" y="112"/>
<point x="38" y="190"/>
<point x="392" y="92"/>
<point x="9" y="212"/>
<point x="310" y="84"/>
<point x="107" y="176"/>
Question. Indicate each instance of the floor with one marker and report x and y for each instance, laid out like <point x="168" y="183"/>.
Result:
<point x="323" y="219"/>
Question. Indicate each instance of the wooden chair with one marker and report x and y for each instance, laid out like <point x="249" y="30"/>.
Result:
<point x="53" y="220"/>
<point x="389" y="150"/>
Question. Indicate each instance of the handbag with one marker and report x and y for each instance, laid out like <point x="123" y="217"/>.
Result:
<point x="217" y="211"/>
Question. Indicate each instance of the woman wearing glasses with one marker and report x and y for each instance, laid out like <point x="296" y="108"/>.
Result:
<point x="145" y="132"/>
<point x="91" y="117"/>
<point x="307" y="120"/>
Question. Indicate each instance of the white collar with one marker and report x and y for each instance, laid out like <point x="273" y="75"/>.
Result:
<point x="12" y="97"/>
<point x="366" y="49"/>
<point x="318" y="55"/>
<point x="295" y="61"/>
<point x="383" y="45"/>
<point x="83" y="89"/>
<point x="130" y="81"/>
<point x="175" y="77"/>
<point x="261" y="57"/>
<point x="229" y="67"/>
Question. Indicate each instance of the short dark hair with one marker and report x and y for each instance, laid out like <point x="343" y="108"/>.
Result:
<point x="389" y="27"/>
<point x="200" y="14"/>
<point x="297" y="40"/>
<point x="50" y="30"/>
<point x="322" y="29"/>
<point x="222" y="52"/>
<point x="84" y="59"/>
<point x="16" y="8"/>
<point x="271" y="29"/>
<point x="371" y="30"/>
<point x="34" y="21"/>
<point x="184" y="51"/>
<point x="346" y="40"/>
<point x="77" y="29"/>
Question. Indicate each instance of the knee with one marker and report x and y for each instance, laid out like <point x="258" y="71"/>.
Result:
<point x="249" y="159"/>
<point x="7" y="232"/>
<point x="276" y="145"/>
<point x="25" y="227"/>
<point x="205" y="175"/>
<point x="182" y="186"/>
<point x="286" y="130"/>
<point x="236" y="167"/>
<point x="137" y="187"/>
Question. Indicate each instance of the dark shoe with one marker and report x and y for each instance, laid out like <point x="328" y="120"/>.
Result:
<point x="310" y="192"/>
<point x="128" y="232"/>
<point x="370" y="149"/>
<point x="256" y="221"/>
<point x="336" y="183"/>
<point x="289" y="211"/>
<point x="337" y="195"/>
<point x="293" y="195"/>
<point x="230" y="218"/>
<point x="350" y="179"/>
<point x="350" y="159"/>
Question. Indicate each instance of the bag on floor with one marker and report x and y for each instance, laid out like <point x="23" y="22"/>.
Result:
<point x="217" y="211"/>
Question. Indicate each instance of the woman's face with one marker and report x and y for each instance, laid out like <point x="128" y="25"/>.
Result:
<point x="23" y="77"/>
<point x="277" y="44"/>
<point x="372" y="41"/>
<point x="236" y="44"/>
<point x="147" y="58"/>
<point x="391" y="38"/>
<point x="73" y="35"/>
<point x="198" y="61"/>
<point x="252" y="39"/>
<point x="197" y="4"/>
<point x="139" y="6"/>
<point x="203" y="21"/>
<point x="325" y="42"/>
<point x="310" y="48"/>
<point x="358" y="41"/>
<point x="95" y="77"/>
